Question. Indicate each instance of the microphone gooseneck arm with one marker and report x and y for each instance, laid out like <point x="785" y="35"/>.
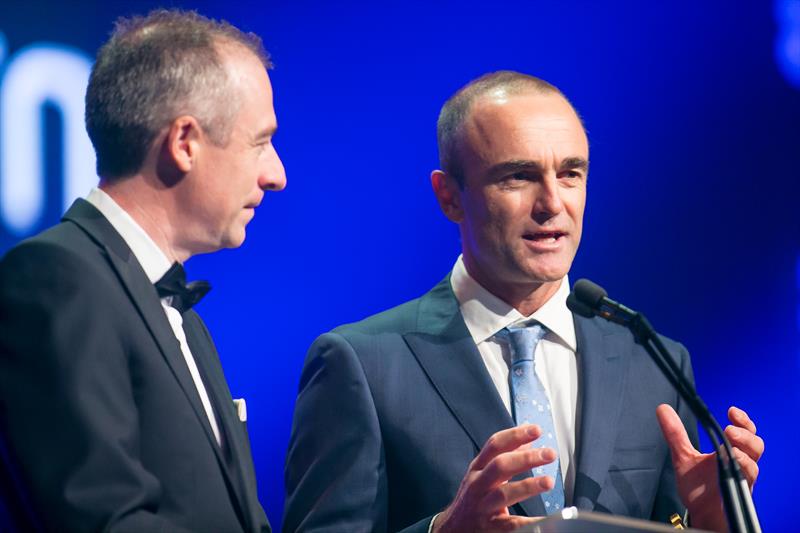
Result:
<point x="588" y="299"/>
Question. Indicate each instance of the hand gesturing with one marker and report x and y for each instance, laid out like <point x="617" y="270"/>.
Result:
<point x="696" y="472"/>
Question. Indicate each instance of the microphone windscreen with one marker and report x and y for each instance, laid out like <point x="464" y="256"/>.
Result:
<point x="579" y="308"/>
<point x="588" y="293"/>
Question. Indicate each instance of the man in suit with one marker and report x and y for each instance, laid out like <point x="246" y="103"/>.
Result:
<point x="421" y="418"/>
<point x="116" y="415"/>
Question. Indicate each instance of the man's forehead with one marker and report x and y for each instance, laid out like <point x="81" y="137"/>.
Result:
<point x="520" y="124"/>
<point x="513" y="107"/>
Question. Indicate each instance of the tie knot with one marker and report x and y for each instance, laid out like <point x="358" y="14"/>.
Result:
<point x="523" y="340"/>
<point x="184" y="295"/>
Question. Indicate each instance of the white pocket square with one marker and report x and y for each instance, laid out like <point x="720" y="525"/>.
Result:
<point x="241" y="409"/>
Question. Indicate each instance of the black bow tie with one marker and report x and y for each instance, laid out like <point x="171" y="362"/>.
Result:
<point x="184" y="295"/>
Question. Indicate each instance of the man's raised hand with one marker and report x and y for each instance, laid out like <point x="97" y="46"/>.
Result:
<point x="486" y="493"/>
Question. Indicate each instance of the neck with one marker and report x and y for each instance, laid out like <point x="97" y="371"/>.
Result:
<point x="525" y="297"/>
<point x="530" y="299"/>
<point x="150" y="209"/>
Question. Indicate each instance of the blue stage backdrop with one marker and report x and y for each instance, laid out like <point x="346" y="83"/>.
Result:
<point x="693" y="114"/>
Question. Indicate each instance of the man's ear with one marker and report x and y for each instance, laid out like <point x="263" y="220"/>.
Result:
<point x="448" y="193"/>
<point x="183" y="142"/>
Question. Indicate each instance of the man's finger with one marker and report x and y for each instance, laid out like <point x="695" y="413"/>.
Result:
<point x="507" y="465"/>
<point x="505" y="441"/>
<point x="513" y="522"/>
<point x="740" y="418"/>
<point x="751" y="444"/>
<point x="749" y="467"/>
<point x="674" y="433"/>
<point x="513" y="492"/>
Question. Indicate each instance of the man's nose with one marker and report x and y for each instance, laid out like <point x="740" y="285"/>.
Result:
<point x="273" y="177"/>
<point x="548" y="199"/>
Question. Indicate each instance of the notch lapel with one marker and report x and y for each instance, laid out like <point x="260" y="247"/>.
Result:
<point x="446" y="352"/>
<point x="235" y="441"/>
<point x="603" y="357"/>
<point x="145" y="298"/>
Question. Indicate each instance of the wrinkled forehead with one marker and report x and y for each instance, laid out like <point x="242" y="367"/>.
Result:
<point x="535" y="126"/>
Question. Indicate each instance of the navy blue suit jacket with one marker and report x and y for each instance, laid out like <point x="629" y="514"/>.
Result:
<point x="391" y="411"/>
<point x="102" y="426"/>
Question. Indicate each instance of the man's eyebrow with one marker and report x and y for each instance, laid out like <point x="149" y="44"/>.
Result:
<point x="515" y="165"/>
<point x="266" y="134"/>
<point x="527" y="165"/>
<point x="575" y="163"/>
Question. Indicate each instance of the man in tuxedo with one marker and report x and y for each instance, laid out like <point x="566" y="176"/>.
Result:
<point x="116" y="415"/>
<point x="421" y="418"/>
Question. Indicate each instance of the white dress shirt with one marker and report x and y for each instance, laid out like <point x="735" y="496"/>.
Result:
<point x="485" y="315"/>
<point x="155" y="264"/>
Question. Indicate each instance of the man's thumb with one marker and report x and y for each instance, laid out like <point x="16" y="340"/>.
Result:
<point x="674" y="433"/>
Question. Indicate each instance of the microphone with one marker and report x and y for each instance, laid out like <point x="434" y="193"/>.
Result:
<point x="588" y="300"/>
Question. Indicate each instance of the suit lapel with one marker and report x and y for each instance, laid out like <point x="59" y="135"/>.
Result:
<point x="446" y="352"/>
<point x="145" y="299"/>
<point x="603" y="357"/>
<point x="217" y="388"/>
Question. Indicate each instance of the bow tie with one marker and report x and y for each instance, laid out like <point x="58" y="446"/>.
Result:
<point x="184" y="295"/>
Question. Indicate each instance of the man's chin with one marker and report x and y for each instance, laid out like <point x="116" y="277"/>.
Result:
<point x="233" y="238"/>
<point x="545" y="271"/>
<point x="236" y="242"/>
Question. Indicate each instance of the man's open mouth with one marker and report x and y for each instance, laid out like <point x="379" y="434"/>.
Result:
<point x="544" y="236"/>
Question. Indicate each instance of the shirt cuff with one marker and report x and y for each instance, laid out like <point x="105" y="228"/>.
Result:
<point x="430" y="526"/>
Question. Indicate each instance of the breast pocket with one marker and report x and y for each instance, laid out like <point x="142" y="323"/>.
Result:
<point x="632" y="481"/>
<point x="639" y="458"/>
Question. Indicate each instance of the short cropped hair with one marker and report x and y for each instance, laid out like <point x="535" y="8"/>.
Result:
<point x="457" y="108"/>
<point x="154" y="69"/>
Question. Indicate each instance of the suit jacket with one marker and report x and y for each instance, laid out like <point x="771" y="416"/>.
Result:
<point x="102" y="424"/>
<point x="391" y="411"/>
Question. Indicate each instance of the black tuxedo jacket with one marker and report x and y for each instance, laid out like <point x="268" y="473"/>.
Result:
<point x="392" y="410"/>
<point x="102" y="425"/>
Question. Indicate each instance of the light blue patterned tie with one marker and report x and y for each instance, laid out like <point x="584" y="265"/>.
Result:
<point x="531" y="404"/>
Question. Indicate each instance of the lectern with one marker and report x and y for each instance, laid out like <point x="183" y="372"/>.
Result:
<point x="573" y="520"/>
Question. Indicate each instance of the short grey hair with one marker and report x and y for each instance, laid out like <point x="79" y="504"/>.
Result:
<point x="154" y="69"/>
<point x="457" y="108"/>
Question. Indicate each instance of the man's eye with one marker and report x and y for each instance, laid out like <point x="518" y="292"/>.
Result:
<point x="573" y="174"/>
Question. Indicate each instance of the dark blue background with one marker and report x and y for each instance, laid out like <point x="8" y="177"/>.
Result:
<point x="692" y="210"/>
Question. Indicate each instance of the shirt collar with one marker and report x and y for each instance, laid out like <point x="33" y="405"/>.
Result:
<point x="485" y="314"/>
<point x="154" y="262"/>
